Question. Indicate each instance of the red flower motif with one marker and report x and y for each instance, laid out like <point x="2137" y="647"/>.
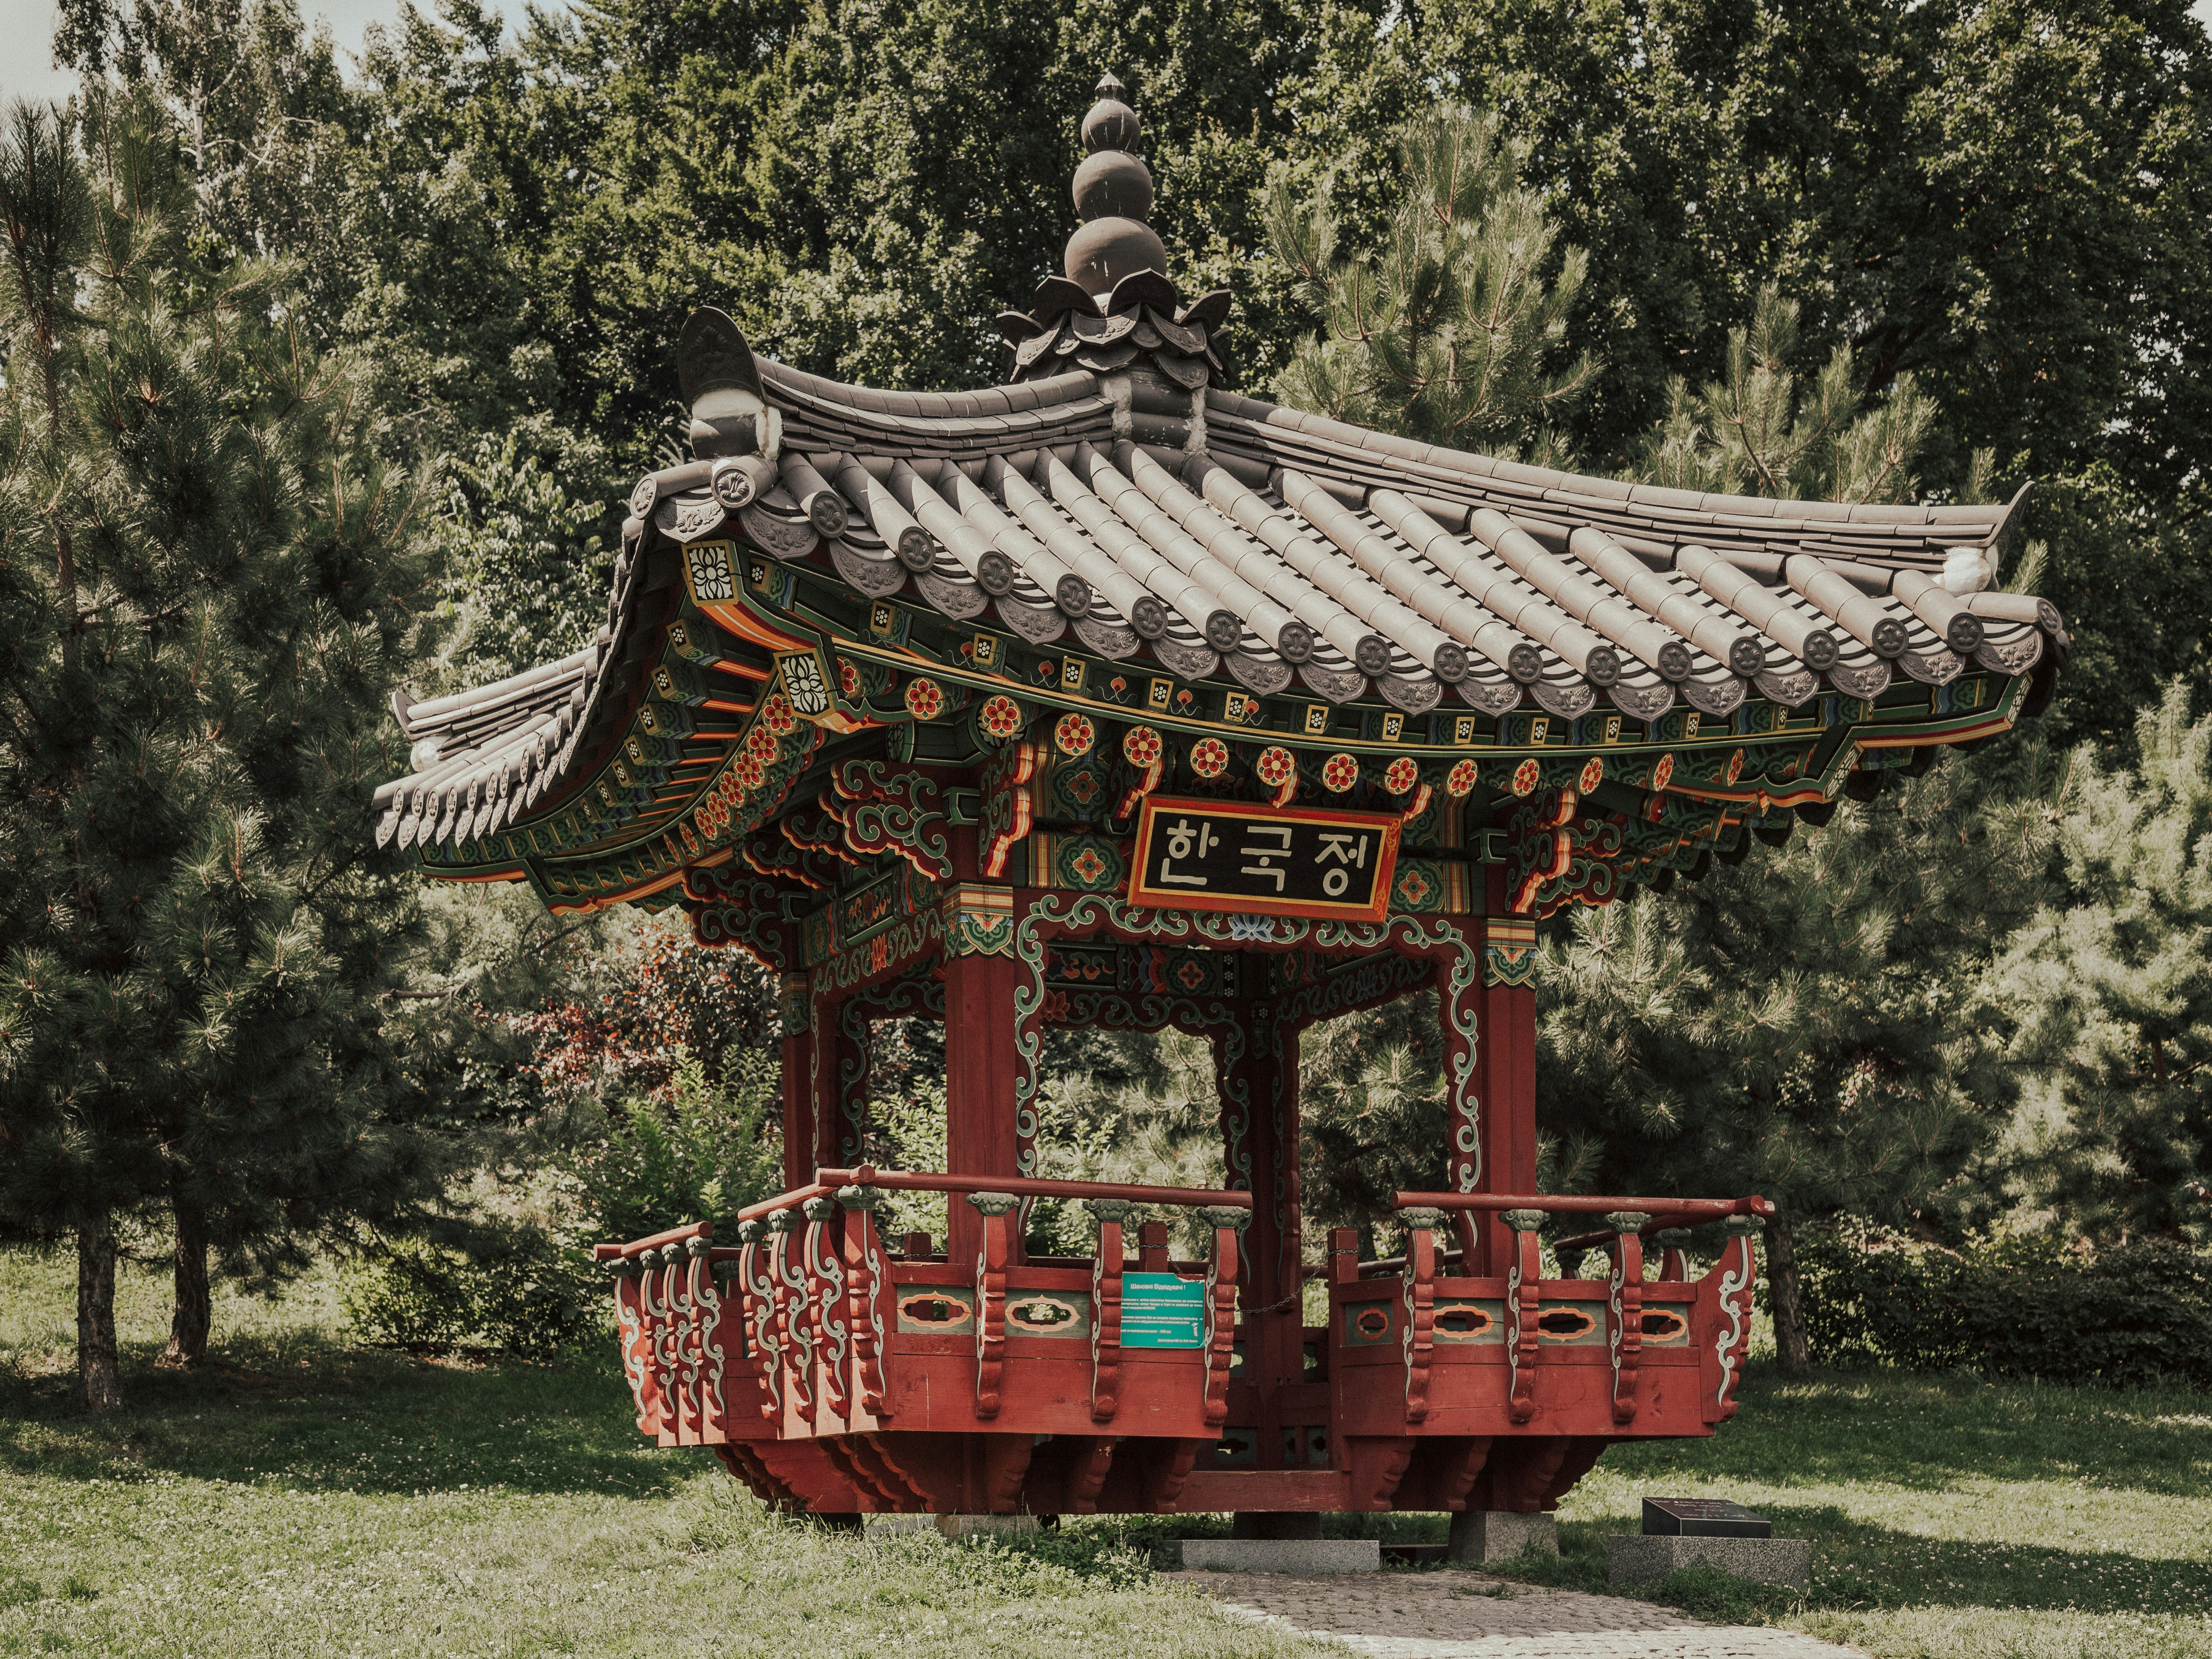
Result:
<point x="1001" y="716"/>
<point x="925" y="700"/>
<point x="1142" y="746"/>
<point x="1663" y="774"/>
<point x="1339" y="772"/>
<point x="1460" y="781"/>
<point x="848" y="679"/>
<point x="1073" y="735"/>
<point x="1402" y="775"/>
<point x="1088" y="866"/>
<point x="1593" y="775"/>
<point x="1524" y="777"/>
<point x="1209" y="757"/>
<point x="1277" y="766"/>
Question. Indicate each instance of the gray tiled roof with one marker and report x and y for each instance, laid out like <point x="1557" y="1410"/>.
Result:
<point x="1214" y="532"/>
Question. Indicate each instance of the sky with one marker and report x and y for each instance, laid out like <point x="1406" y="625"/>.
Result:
<point x="27" y="71"/>
<point x="27" y="68"/>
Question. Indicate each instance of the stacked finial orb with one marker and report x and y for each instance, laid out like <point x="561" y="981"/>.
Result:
<point x="1113" y="194"/>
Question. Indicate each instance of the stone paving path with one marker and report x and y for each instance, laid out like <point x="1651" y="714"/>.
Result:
<point x="1458" y="1614"/>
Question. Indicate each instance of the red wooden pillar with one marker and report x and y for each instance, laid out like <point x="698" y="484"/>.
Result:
<point x="982" y="1063"/>
<point x="1505" y="1069"/>
<point x="798" y="1082"/>
<point x="839" y="1089"/>
<point x="1257" y="1073"/>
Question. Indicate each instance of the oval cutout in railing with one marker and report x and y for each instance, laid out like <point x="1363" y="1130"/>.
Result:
<point x="1462" y="1322"/>
<point x="940" y="1312"/>
<point x="1565" y="1324"/>
<point x="1664" y="1325"/>
<point x="1372" y="1322"/>
<point x="1045" y="1315"/>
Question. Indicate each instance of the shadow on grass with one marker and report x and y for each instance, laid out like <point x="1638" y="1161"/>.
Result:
<point x="335" y="1418"/>
<point x="1932" y="1432"/>
<point x="1856" y="1566"/>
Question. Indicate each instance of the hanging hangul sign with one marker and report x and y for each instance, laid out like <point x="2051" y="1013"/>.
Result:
<point x="1260" y="860"/>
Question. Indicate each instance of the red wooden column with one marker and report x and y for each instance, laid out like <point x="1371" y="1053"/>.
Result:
<point x="1257" y="1075"/>
<point x="838" y="1088"/>
<point x="981" y="1066"/>
<point x="798" y="1081"/>
<point x="1506" y="1068"/>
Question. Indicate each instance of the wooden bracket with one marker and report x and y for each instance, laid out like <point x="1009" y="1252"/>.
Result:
<point x="794" y="1330"/>
<point x="1221" y="1308"/>
<point x="764" y="1348"/>
<point x="991" y="1297"/>
<point x="1521" y="1297"/>
<point x="1626" y="1297"/>
<point x="864" y="1294"/>
<point x="825" y="1297"/>
<point x="636" y="1342"/>
<point x="1106" y="1309"/>
<point x="1419" y="1337"/>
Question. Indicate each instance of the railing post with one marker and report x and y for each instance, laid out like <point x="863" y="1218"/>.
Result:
<point x="728" y="1331"/>
<point x="636" y="1342"/>
<point x="1739" y="1271"/>
<point x="764" y="1347"/>
<point x="825" y="1298"/>
<point x="991" y="1297"/>
<point x="864" y="1294"/>
<point x="1673" y="1241"/>
<point x="1227" y="1221"/>
<point x="1420" y="1296"/>
<point x="1627" y="1302"/>
<point x="1106" y="1306"/>
<point x="660" y="1333"/>
<point x="1521" y="1298"/>
<point x="794" y="1339"/>
<point x="687" y="1265"/>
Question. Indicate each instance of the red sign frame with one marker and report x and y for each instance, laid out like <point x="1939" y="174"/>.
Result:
<point x="1386" y="860"/>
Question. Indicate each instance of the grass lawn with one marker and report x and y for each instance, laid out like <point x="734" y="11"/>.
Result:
<point x="304" y="1498"/>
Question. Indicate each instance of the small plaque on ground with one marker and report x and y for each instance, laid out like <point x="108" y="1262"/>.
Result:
<point x="1702" y="1517"/>
<point x="1161" y="1310"/>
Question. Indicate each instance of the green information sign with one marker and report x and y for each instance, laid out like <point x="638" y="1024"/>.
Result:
<point x="1160" y="1310"/>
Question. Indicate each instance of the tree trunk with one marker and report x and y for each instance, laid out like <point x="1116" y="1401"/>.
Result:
<point x="1792" y="1347"/>
<point x="194" y="1313"/>
<point x="96" y="1365"/>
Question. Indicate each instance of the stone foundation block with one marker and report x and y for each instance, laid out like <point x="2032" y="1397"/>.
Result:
<point x="1282" y="1555"/>
<point x="1638" y="1559"/>
<point x="1483" y="1535"/>
<point x="952" y="1526"/>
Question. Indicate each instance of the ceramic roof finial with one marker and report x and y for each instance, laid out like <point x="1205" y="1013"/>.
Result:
<point x="1113" y="196"/>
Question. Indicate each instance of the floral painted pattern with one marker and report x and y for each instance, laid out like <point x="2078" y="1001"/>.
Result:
<point x="1524" y="777"/>
<point x="1143" y="746"/>
<point x="925" y="699"/>
<point x="1090" y="869"/>
<point x="1001" y="716"/>
<point x="1736" y="765"/>
<point x="1402" y="775"/>
<point x="1459" y="782"/>
<point x="1339" y="772"/>
<point x="1209" y="757"/>
<point x="1277" y="766"/>
<point x="1074" y="734"/>
<point x="1593" y="773"/>
<point x="1663" y="774"/>
<point x="848" y="679"/>
<point x="777" y="716"/>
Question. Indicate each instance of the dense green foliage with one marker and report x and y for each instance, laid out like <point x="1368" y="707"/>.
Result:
<point x="209" y="576"/>
<point x="2131" y="1315"/>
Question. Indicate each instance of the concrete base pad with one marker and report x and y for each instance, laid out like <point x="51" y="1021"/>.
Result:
<point x="952" y="1526"/>
<point x="1636" y="1558"/>
<point x="1483" y="1535"/>
<point x="1282" y="1555"/>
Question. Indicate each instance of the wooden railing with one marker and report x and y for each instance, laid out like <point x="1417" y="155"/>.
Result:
<point x="1628" y="1221"/>
<point x="807" y="1323"/>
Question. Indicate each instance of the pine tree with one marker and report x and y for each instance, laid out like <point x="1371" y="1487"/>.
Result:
<point x="206" y="588"/>
<point x="1812" y="1024"/>
<point x="1454" y="328"/>
<point x="2113" y="985"/>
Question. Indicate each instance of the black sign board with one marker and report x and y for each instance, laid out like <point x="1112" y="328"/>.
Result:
<point x="1261" y="860"/>
<point x="1702" y="1517"/>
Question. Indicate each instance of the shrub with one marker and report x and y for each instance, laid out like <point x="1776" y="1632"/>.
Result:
<point x="531" y="1289"/>
<point x="2023" y="1307"/>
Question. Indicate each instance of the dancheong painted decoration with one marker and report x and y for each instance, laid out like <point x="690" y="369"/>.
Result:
<point x="1110" y="697"/>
